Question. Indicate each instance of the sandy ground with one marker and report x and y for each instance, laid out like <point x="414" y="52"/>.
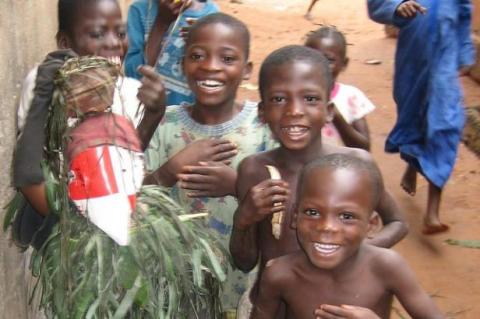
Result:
<point x="448" y="273"/>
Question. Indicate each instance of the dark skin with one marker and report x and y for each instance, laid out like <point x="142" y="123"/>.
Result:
<point x="215" y="54"/>
<point x="357" y="133"/>
<point x="295" y="106"/>
<point x="337" y="275"/>
<point x="99" y="30"/>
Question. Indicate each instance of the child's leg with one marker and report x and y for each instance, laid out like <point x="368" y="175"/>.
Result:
<point x="431" y="222"/>
<point x="409" y="180"/>
<point x="308" y="15"/>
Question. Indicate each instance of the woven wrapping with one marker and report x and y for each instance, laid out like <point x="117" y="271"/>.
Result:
<point x="87" y="84"/>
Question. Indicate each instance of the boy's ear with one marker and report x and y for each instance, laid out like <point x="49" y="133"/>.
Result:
<point x="63" y="41"/>
<point x="247" y="71"/>
<point x="293" y="224"/>
<point x="261" y="112"/>
<point x="345" y="63"/>
<point x="330" y="111"/>
<point x="374" y="225"/>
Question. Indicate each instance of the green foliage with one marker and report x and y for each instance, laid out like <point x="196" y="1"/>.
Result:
<point x="464" y="243"/>
<point x="170" y="269"/>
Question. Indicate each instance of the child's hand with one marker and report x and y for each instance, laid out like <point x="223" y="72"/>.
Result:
<point x="208" y="179"/>
<point x="409" y="9"/>
<point x="262" y="200"/>
<point x="344" y="312"/>
<point x="184" y="31"/>
<point x="171" y="8"/>
<point x="152" y="91"/>
<point x="465" y="70"/>
<point x="206" y="150"/>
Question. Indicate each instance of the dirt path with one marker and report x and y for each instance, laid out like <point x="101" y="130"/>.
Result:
<point x="448" y="273"/>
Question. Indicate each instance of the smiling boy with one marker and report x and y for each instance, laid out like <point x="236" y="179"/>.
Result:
<point x="336" y="274"/>
<point x="295" y="83"/>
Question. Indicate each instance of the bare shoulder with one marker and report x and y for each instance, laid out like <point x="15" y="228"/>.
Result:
<point x="281" y="270"/>
<point x="386" y="262"/>
<point x="252" y="164"/>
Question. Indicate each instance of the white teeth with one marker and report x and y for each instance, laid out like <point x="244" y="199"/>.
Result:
<point x="326" y="248"/>
<point x="209" y="84"/>
<point x="294" y="129"/>
<point x="115" y="60"/>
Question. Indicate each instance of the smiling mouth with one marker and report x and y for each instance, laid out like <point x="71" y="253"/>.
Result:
<point x="295" y="130"/>
<point x="326" y="249"/>
<point x="210" y="85"/>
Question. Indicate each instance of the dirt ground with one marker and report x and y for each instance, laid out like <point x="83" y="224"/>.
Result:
<point x="449" y="273"/>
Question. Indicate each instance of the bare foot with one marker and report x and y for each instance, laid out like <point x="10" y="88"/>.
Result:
<point x="432" y="229"/>
<point x="409" y="181"/>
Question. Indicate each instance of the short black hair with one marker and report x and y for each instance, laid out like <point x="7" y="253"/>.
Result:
<point x="295" y="53"/>
<point x="338" y="161"/>
<point x="68" y="13"/>
<point x="225" y="19"/>
<point x="328" y="32"/>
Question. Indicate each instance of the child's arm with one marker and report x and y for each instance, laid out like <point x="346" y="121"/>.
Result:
<point x="152" y="95"/>
<point x="168" y="11"/>
<point x="394" y="224"/>
<point x="269" y="296"/>
<point x="356" y="134"/>
<point x="256" y="196"/>
<point x="136" y="42"/>
<point x="400" y="279"/>
<point x="397" y="12"/>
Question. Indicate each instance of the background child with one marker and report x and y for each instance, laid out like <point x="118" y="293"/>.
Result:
<point x="349" y="126"/>
<point x="197" y="148"/>
<point x="150" y="24"/>
<point x="336" y="274"/>
<point x="92" y="27"/>
<point x="434" y="44"/>
<point x="295" y="84"/>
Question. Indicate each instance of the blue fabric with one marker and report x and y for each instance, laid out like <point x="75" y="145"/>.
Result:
<point x="430" y="117"/>
<point x="141" y="17"/>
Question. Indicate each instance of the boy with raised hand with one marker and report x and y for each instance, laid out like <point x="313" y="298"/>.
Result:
<point x="295" y="85"/>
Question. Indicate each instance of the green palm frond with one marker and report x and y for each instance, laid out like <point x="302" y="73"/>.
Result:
<point x="464" y="243"/>
<point x="172" y="267"/>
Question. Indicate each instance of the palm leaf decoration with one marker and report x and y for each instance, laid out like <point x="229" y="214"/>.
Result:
<point x="172" y="268"/>
<point x="464" y="243"/>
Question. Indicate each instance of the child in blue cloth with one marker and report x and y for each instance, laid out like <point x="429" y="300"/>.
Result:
<point x="152" y="32"/>
<point x="434" y="46"/>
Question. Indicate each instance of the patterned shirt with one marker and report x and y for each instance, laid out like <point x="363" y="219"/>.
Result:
<point x="141" y="17"/>
<point x="352" y="105"/>
<point x="176" y="131"/>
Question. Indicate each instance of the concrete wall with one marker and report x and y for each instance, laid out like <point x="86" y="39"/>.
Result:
<point x="27" y="29"/>
<point x="26" y="32"/>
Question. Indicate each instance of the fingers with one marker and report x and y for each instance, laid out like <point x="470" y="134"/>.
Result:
<point x="329" y="312"/>
<point x="151" y="93"/>
<point x="409" y="9"/>
<point x="271" y="195"/>
<point x="223" y="150"/>
<point x="224" y="156"/>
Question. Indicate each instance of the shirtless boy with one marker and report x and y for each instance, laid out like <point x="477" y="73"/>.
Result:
<point x="336" y="274"/>
<point x="295" y="83"/>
